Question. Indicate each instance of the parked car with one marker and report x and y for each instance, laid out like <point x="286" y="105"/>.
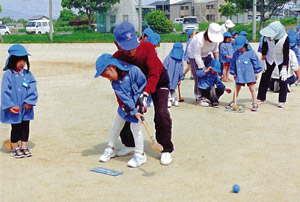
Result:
<point x="178" y="21"/>
<point x="38" y="27"/>
<point x="190" y="22"/>
<point x="4" y="30"/>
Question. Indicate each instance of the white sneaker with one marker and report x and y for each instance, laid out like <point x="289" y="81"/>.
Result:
<point x="281" y="104"/>
<point x="204" y="103"/>
<point x="125" y="151"/>
<point x="169" y="104"/>
<point x="137" y="160"/>
<point x="107" y="155"/>
<point x="165" y="158"/>
<point x="176" y="104"/>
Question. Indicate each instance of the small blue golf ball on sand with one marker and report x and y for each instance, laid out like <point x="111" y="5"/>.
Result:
<point x="236" y="188"/>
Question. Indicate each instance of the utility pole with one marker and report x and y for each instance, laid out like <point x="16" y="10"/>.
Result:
<point x="50" y="16"/>
<point x="254" y="20"/>
<point x="140" y="17"/>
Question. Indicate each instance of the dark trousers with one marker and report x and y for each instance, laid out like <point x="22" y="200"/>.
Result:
<point x="212" y="93"/>
<point x="265" y="81"/>
<point x="162" y="118"/>
<point x="19" y="131"/>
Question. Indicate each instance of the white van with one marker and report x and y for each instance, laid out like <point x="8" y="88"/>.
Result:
<point x="190" y="22"/>
<point x="38" y="27"/>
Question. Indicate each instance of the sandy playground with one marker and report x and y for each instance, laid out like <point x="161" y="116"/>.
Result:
<point x="214" y="149"/>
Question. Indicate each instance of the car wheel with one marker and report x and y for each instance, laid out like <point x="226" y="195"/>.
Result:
<point x="39" y="32"/>
<point x="6" y="33"/>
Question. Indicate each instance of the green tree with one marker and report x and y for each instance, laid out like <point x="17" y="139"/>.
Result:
<point x="159" y="22"/>
<point x="66" y="15"/>
<point x="89" y="7"/>
<point x="22" y="20"/>
<point x="0" y="9"/>
<point x="6" y="20"/>
<point x="226" y="10"/>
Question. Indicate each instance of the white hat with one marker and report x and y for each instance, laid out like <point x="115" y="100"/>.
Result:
<point x="215" y="33"/>
<point x="229" y="23"/>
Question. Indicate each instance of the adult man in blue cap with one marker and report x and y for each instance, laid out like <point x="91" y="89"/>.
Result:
<point x="143" y="55"/>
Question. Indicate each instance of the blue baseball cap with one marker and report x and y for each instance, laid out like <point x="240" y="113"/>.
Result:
<point x="189" y="33"/>
<point x="292" y="39"/>
<point x="216" y="65"/>
<point x="291" y="32"/>
<point x="243" y="33"/>
<point x="233" y="33"/>
<point x="177" y="51"/>
<point x="154" y="38"/>
<point x="16" y="50"/>
<point x="227" y="34"/>
<point x="239" y="42"/>
<point x="148" y="31"/>
<point x="125" y="36"/>
<point x="107" y="59"/>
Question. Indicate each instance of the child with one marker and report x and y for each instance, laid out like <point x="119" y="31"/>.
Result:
<point x="191" y="33"/>
<point x="226" y="52"/>
<point x="298" y="35"/>
<point x="146" y="33"/>
<point x="154" y="38"/>
<point x="128" y="82"/>
<point x="174" y="65"/>
<point x="245" y="67"/>
<point x="18" y="96"/>
<point x="208" y="79"/>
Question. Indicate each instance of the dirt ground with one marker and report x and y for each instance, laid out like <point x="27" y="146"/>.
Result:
<point x="214" y="149"/>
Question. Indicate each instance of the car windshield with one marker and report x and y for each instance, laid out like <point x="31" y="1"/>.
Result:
<point x="190" y="20"/>
<point x="2" y="27"/>
<point x="31" y="24"/>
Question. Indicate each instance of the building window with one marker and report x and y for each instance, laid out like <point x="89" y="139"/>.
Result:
<point x="210" y="6"/>
<point x="125" y="18"/>
<point x="210" y="18"/>
<point x="182" y="7"/>
<point x="186" y="7"/>
<point x="112" y="19"/>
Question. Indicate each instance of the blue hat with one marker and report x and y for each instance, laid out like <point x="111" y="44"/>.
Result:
<point x="107" y="59"/>
<point x="227" y="34"/>
<point x="177" y="51"/>
<point x="216" y="65"/>
<point x="148" y="31"/>
<point x="154" y="38"/>
<point x="292" y="39"/>
<point x="239" y="42"/>
<point x="189" y="33"/>
<point x="16" y="50"/>
<point x="125" y="36"/>
<point x="291" y="32"/>
<point x="233" y="33"/>
<point x="298" y="27"/>
<point x="243" y="33"/>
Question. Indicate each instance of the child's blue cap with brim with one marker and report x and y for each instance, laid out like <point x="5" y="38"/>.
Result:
<point x="227" y="34"/>
<point x="292" y="39"/>
<point x="243" y="33"/>
<point x="148" y="31"/>
<point x="125" y="36"/>
<point x="216" y="65"/>
<point x="107" y="59"/>
<point x="291" y="33"/>
<point x="16" y="50"/>
<point x="189" y="33"/>
<point x="233" y="33"/>
<point x="239" y="42"/>
<point x="177" y="51"/>
<point x="154" y="38"/>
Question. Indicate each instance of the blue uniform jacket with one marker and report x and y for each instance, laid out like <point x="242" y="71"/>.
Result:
<point x="245" y="65"/>
<point x="16" y="90"/>
<point x="128" y="90"/>
<point x="226" y="49"/>
<point x="297" y="52"/>
<point x="298" y="38"/>
<point x="175" y="70"/>
<point x="208" y="79"/>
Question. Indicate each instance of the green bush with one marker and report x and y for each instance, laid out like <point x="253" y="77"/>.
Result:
<point x="64" y="29"/>
<point x="203" y="26"/>
<point x="159" y="22"/>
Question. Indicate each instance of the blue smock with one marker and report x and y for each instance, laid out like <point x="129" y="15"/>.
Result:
<point x="175" y="70"/>
<point x="208" y="79"/>
<point x="226" y="49"/>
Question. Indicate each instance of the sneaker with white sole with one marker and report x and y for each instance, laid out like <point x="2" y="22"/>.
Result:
<point x="203" y="103"/>
<point x="107" y="155"/>
<point x="254" y="107"/>
<point x="169" y="104"/>
<point x="281" y="104"/>
<point x="229" y="106"/>
<point x="137" y="160"/>
<point x="125" y="151"/>
<point x="165" y="158"/>
<point x="26" y="152"/>
<point x="176" y="104"/>
<point x="17" y="153"/>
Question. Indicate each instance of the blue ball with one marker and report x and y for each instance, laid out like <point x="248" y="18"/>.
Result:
<point x="236" y="188"/>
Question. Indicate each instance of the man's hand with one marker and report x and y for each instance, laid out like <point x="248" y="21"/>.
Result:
<point x="283" y="74"/>
<point x="264" y="65"/>
<point x="142" y="103"/>
<point x="138" y="116"/>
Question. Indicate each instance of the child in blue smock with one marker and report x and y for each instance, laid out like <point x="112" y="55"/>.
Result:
<point x="226" y="52"/>
<point x="190" y="34"/>
<point x="245" y="67"/>
<point x="128" y="82"/>
<point x="298" y="35"/>
<point x="18" y="96"/>
<point x="209" y="83"/>
<point x="174" y="65"/>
